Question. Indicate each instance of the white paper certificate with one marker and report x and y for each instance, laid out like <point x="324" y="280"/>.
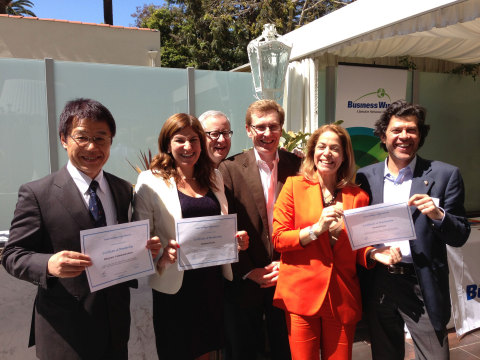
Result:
<point x="118" y="253"/>
<point x="377" y="224"/>
<point x="206" y="241"/>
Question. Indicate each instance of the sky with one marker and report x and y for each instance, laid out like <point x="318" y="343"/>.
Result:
<point x="90" y="11"/>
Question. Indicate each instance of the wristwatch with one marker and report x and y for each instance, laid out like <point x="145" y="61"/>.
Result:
<point x="311" y="234"/>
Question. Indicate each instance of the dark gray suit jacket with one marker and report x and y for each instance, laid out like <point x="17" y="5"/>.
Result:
<point x="244" y="192"/>
<point x="69" y="322"/>
<point x="429" y="253"/>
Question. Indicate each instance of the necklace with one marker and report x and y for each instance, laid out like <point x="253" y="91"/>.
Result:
<point x="332" y="201"/>
<point x="188" y="178"/>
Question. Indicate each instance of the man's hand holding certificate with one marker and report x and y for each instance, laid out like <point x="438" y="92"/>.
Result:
<point x="118" y="253"/>
<point x="206" y="241"/>
<point x="378" y="224"/>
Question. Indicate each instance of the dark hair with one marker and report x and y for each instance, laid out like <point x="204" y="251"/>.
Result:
<point x="262" y="107"/>
<point x="401" y="109"/>
<point x="79" y="109"/>
<point x="163" y="164"/>
<point x="346" y="171"/>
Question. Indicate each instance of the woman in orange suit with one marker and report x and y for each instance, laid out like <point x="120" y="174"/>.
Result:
<point x="318" y="286"/>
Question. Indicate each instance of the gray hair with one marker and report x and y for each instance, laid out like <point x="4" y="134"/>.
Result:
<point x="211" y="113"/>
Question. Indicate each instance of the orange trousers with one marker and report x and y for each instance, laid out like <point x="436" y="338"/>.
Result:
<point x="310" y="335"/>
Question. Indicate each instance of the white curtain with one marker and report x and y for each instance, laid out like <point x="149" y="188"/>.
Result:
<point x="300" y="99"/>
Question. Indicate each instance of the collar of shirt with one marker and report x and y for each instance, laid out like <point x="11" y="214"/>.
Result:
<point x="404" y="174"/>
<point x="83" y="181"/>
<point x="262" y="164"/>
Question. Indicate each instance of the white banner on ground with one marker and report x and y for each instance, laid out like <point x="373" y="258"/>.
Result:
<point x="465" y="282"/>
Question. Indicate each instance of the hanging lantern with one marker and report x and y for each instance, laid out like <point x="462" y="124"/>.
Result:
<point x="268" y="62"/>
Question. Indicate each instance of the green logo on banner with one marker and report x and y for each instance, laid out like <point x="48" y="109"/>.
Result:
<point x="380" y="94"/>
<point x="366" y="146"/>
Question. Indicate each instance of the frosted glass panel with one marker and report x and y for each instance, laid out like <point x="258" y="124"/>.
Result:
<point x="140" y="99"/>
<point x="23" y="130"/>
<point x="230" y="93"/>
<point x="453" y="104"/>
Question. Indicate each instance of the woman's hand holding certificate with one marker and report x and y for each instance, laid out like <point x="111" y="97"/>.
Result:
<point x="207" y="241"/>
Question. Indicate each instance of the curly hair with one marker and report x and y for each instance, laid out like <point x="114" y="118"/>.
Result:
<point x="346" y="171"/>
<point x="163" y="164"/>
<point x="402" y="109"/>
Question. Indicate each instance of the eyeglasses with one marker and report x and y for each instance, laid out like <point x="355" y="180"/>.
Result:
<point x="260" y="129"/>
<point x="83" y="140"/>
<point x="215" y="135"/>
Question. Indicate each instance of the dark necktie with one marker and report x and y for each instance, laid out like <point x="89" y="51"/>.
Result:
<point x="95" y="206"/>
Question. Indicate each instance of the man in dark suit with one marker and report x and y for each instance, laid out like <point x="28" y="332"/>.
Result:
<point x="415" y="291"/>
<point x="69" y="321"/>
<point x="253" y="179"/>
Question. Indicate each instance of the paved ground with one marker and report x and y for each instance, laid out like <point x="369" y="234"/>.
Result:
<point x="16" y="301"/>
<point x="466" y="348"/>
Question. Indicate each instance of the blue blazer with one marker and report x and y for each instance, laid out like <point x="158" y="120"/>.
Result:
<point x="429" y="253"/>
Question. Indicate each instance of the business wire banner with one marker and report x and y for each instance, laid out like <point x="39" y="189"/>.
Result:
<point x="364" y="92"/>
<point x="465" y="281"/>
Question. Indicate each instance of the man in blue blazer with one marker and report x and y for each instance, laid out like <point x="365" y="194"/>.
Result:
<point x="69" y="321"/>
<point x="415" y="291"/>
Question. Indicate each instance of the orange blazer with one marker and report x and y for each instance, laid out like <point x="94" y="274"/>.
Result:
<point x="309" y="274"/>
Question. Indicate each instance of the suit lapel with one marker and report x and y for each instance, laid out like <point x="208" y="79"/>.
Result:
<point x="254" y="184"/>
<point x="220" y="193"/>
<point x="347" y="201"/>
<point x="377" y="183"/>
<point x="118" y="198"/>
<point x="284" y="168"/>
<point x="71" y="200"/>
<point x="422" y="182"/>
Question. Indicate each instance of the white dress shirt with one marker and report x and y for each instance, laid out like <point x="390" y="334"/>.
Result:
<point x="103" y="191"/>
<point x="269" y="184"/>
<point x="397" y="190"/>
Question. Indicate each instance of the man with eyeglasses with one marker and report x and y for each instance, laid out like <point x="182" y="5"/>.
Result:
<point x="217" y="127"/>
<point x="69" y="321"/>
<point x="253" y="179"/>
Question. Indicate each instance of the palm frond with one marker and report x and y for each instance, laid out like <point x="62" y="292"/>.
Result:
<point x="145" y="161"/>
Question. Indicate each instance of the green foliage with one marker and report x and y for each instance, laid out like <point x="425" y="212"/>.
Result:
<point x="407" y="62"/>
<point x="472" y="70"/>
<point x="294" y="140"/>
<point x="214" y="34"/>
<point x="297" y="140"/>
<point x="18" y="7"/>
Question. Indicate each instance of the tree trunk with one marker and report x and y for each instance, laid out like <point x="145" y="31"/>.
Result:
<point x="107" y="12"/>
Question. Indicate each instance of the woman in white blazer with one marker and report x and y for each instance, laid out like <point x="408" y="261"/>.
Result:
<point x="182" y="182"/>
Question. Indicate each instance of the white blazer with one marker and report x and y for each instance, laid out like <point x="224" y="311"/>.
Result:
<point x="157" y="200"/>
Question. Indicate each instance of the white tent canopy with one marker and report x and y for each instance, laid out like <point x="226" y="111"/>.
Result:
<point x="439" y="29"/>
<point x="437" y="35"/>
